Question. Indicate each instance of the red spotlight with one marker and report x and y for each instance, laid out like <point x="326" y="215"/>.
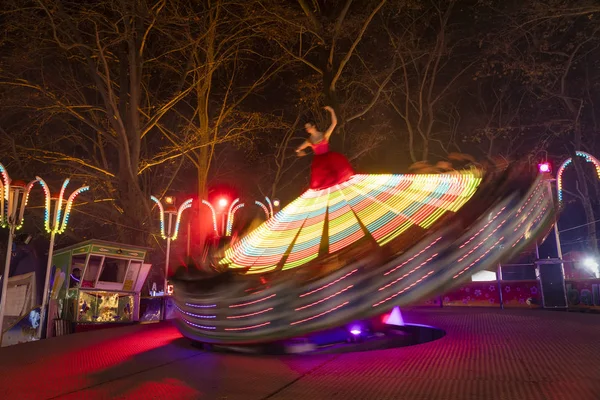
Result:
<point x="544" y="167"/>
<point x="223" y="202"/>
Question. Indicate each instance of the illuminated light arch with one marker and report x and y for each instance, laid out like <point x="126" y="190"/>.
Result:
<point x="265" y="209"/>
<point x="56" y="224"/>
<point x="233" y="203"/>
<point x="161" y="209"/>
<point x="270" y="206"/>
<point x="168" y="235"/>
<point x="184" y="206"/>
<point x="559" y="174"/>
<point x="5" y="184"/>
<point x="68" y="207"/>
<point x="214" y="214"/>
<point x="230" y="218"/>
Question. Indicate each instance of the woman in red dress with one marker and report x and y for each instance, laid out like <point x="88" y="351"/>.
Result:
<point x="328" y="168"/>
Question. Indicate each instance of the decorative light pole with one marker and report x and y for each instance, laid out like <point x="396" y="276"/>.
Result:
<point x="54" y="224"/>
<point x="172" y="229"/>
<point x="232" y="209"/>
<point x="13" y="199"/>
<point x="559" y="187"/>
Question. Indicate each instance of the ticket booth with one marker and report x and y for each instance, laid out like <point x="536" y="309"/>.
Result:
<point x="95" y="283"/>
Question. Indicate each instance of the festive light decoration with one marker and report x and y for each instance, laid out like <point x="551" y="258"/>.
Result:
<point x="559" y="174"/>
<point x="386" y="205"/>
<point x="5" y="193"/>
<point x="265" y="209"/>
<point x="161" y="210"/>
<point x="184" y="206"/>
<point x="270" y="206"/>
<point x="13" y="199"/>
<point x="25" y="201"/>
<point x="214" y="214"/>
<point x="171" y="235"/>
<point x="233" y="203"/>
<point x="53" y="224"/>
<point x="231" y="214"/>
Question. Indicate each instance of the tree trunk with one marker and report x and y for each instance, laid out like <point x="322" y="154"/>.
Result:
<point x="134" y="213"/>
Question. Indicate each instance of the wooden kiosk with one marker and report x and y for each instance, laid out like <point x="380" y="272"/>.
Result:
<point x="95" y="283"/>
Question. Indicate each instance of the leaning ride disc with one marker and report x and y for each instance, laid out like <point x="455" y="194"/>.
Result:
<point x="392" y="240"/>
<point x="367" y="208"/>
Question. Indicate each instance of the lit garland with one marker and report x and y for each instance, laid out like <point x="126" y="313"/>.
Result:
<point x="386" y="205"/>
<point x="233" y="203"/>
<point x="26" y="200"/>
<point x="184" y="206"/>
<point x="69" y="205"/>
<point x="559" y="174"/>
<point x="161" y="210"/>
<point x="5" y="184"/>
<point x="265" y="209"/>
<point x="47" y="203"/>
<point x="230" y="218"/>
<point x="270" y="206"/>
<point x="60" y="200"/>
<point x="55" y="225"/>
<point x="4" y="189"/>
<point x="214" y="214"/>
<point x="168" y="235"/>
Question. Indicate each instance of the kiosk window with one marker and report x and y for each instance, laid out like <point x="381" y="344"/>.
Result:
<point x="113" y="270"/>
<point x="77" y="266"/>
<point x="91" y="272"/>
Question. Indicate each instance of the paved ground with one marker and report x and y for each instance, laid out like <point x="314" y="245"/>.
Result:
<point x="486" y="354"/>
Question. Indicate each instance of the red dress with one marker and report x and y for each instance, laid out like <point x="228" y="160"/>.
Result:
<point x="328" y="167"/>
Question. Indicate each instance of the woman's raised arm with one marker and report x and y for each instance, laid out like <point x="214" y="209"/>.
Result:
<point x="333" y="123"/>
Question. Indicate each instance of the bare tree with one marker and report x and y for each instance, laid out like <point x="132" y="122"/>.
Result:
<point x="137" y="89"/>
<point x="547" y="47"/>
<point x="434" y="58"/>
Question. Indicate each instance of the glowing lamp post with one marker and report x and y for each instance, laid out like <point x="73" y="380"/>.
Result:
<point x="13" y="199"/>
<point x="55" y="222"/>
<point x="172" y="229"/>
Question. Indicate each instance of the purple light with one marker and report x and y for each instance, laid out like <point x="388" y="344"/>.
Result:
<point x="355" y="330"/>
<point x="544" y="167"/>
